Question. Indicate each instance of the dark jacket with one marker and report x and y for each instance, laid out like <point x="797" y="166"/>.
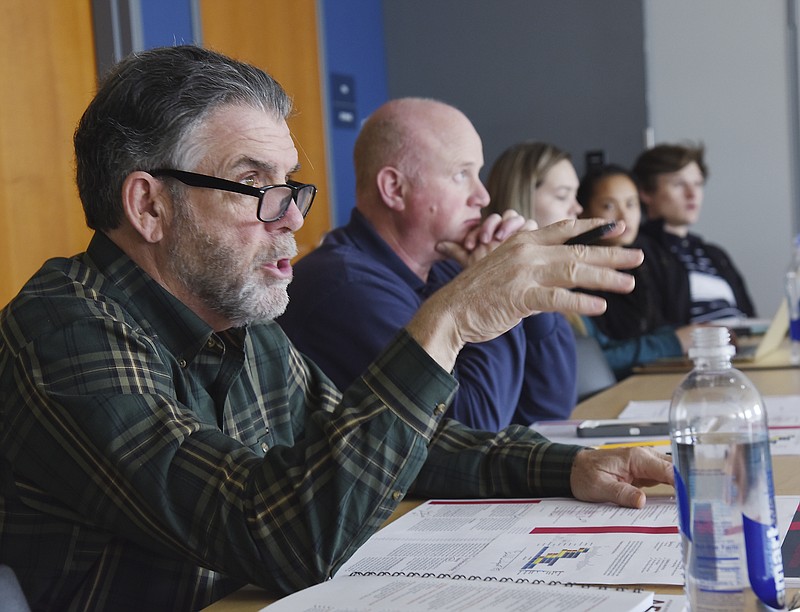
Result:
<point x="671" y="276"/>
<point x="640" y="312"/>
<point x="634" y="330"/>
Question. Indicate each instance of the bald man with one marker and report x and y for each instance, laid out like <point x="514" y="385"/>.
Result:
<point x="417" y="224"/>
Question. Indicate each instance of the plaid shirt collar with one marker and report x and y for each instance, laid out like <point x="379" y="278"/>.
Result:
<point x="181" y="331"/>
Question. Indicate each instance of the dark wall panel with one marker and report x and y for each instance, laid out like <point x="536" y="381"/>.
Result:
<point x="569" y="72"/>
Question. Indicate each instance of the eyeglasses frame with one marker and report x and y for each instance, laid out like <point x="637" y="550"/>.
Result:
<point x="193" y="179"/>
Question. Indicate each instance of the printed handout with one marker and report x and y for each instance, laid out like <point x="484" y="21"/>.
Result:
<point x="535" y="539"/>
<point x="393" y="593"/>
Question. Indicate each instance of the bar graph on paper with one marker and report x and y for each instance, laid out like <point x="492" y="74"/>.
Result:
<point x="551" y="558"/>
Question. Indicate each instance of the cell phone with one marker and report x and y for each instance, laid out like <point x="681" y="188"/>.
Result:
<point x="618" y="428"/>
<point x="593" y="235"/>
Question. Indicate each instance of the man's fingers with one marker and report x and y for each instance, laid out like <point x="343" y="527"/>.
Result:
<point x="616" y="475"/>
<point x="561" y="231"/>
<point x="650" y="467"/>
<point x="556" y="299"/>
<point x="512" y="223"/>
<point x="530" y="272"/>
<point x="572" y="275"/>
<point x="619" y="258"/>
<point x="483" y="232"/>
<point x="495" y="228"/>
<point x="453" y="250"/>
<point x="628" y="496"/>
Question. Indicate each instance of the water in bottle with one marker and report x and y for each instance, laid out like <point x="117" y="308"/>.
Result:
<point x="723" y="482"/>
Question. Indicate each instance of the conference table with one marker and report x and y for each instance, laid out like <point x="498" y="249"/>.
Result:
<point x="778" y="379"/>
<point x="775" y="359"/>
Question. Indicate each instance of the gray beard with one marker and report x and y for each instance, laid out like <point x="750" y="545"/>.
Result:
<point x="210" y="269"/>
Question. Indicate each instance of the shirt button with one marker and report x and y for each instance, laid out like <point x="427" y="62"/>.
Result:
<point x="211" y="344"/>
<point x="264" y="447"/>
<point x="440" y="408"/>
<point x="397" y="495"/>
<point x="182" y="363"/>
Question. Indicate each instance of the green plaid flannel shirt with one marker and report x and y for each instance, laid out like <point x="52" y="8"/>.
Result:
<point x="148" y="463"/>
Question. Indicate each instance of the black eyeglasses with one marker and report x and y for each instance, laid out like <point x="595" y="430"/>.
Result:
<point x="273" y="200"/>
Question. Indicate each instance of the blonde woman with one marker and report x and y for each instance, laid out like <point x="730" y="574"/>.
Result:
<point x="537" y="180"/>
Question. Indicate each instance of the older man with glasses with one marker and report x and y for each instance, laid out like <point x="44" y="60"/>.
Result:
<point x="162" y="443"/>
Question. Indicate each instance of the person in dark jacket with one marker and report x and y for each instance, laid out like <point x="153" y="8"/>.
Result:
<point x="700" y="278"/>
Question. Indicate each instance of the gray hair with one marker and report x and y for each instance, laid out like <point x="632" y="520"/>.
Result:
<point x="145" y="113"/>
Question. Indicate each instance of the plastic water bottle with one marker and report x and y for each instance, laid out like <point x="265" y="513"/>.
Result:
<point x="723" y="482"/>
<point x="793" y="297"/>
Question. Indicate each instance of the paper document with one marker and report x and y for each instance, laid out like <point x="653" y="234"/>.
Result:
<point x="552" y="539"/>
<point x="783" y="416"/>
<point x="390" y="594"/>
<point x="499" y="554"/>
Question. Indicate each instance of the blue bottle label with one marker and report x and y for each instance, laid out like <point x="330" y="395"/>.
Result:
<point x="762" y="546"/>
<point x="764" y="563"/>
<point x="684" y="516"/>
<point x="794" y="329"/>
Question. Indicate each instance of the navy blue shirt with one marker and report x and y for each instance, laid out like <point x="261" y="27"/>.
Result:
<point x="351" y="295"/>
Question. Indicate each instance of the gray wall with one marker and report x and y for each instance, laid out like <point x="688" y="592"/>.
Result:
<point x="717" y="71"/>
<point x="569" y="72"/>
<point x="595" y="75"/>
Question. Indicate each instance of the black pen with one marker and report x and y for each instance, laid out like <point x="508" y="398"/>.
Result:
<point x="593" y="235"/>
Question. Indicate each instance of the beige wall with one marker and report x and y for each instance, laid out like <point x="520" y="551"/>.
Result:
<point x="48" y="76"/>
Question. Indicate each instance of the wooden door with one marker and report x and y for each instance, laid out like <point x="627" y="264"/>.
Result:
<point x="47" y="71"/>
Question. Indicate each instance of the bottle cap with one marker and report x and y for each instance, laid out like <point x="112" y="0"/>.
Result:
<point x="711" y="341"/>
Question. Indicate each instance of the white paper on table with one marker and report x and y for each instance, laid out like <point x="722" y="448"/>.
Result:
<point x="484" y="538"/>
<point x="393" y="593"/>
<point x="441" y="536"/>
<point x="668" y="603"/>
<point x="783" y="416"/>
<point x="593" y="556"/>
